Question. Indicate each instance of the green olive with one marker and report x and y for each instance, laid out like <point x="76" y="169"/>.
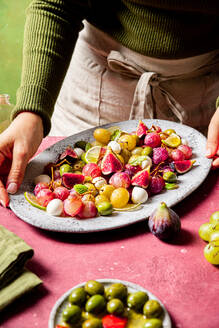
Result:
<point x="71" y="314"/>
<point x="80" y="144"/>
<point x="137" y="300"/>
<point x="65" y="168"/>
<point x="93" y="287"/>
<point x="152" y="308"/>
<point x="169" y="176"/>
<point x="171" y="186"/>
<point x="78" y="296"/>
<point x="78" y="166"/>
<point x="92" y="323"/>
<point x="153" y="323"/>
<point x="105" y="208"/>
<point x="115" y="306"/>
<point x="95" y="304"/>
<point x="116" y="290"/>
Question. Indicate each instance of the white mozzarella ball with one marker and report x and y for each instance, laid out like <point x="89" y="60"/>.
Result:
<point x="115" y="146"/>
<point x="99" y="182"/>
<point x="55" y="207"/>
<point x="79" y="152"/>
<point x="42" y="178"/>
<point x="146" y="162"/>
<point x="139" y="195"/>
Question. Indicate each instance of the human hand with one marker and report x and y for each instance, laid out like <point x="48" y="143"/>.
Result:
<point x="18" y="143"/>
<point x="212" y="148"/>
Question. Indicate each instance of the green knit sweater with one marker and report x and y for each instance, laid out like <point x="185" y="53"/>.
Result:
<point x="156" y="28"/>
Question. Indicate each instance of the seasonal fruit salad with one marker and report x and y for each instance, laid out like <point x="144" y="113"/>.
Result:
<point x="118" y="171"/>
<point x="97" y="306"/>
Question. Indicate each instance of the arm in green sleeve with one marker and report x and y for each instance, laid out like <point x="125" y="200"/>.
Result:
<point x="51" y="30"/>
<point x="217" y="102"/>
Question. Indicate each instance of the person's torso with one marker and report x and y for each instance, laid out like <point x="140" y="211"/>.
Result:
<point x="158" y="28"/>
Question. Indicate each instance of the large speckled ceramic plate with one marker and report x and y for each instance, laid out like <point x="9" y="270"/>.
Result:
<point x="55" y="315"/>
<point x="188" y="182"/>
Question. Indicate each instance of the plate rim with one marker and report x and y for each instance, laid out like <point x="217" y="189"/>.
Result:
<point x="116" y="225"/>
<point x="137" y="287"/>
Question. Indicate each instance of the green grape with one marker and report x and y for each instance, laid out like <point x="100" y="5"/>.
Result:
<point x="214" y="236"/>
<point x="206" y="229"/>
<point x="211" y="252"/>
<point x="214" y="218"/>
<point x="65" y="168"/>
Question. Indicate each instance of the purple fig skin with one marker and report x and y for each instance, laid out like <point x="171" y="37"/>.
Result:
<point x="69" y="154"/>
<point x="164" y="223"/>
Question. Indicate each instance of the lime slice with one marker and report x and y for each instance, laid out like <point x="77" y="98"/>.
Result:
<point x="172" y="141"/>
<point x="128" y="207"/>
<point x="33" y="201"/>
<point x="92" y="155"/>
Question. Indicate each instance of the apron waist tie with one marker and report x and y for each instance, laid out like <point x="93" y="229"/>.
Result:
<point x="144" y="100"/>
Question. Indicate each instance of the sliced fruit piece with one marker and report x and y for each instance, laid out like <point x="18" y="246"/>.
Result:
<point x="70" y="179"/>
<point x="141" y="129"/>
<point x="69" y="154"/>
<point x="110" y="163"/>
<point x="112" y="321"/>
<point x="33" y="201"/>
<point x="128" y="207"/>
<point x="141" y="178"/>
<point x="183" y="166"/>
<point x="93" y="154"/>
<point x="172" y="141"/>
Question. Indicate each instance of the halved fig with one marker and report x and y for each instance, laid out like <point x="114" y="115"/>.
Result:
<point x="69" y="154"/>
<point x="183" y="166"/>
<point x="110" y="163"/>
<point x="141" y="178"/>
<point x="141" y="129"/>
<point x="70" y="179"/>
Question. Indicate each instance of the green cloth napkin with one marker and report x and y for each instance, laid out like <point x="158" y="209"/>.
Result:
<point x="25" y="282"/>
<point x="15" y="280"/>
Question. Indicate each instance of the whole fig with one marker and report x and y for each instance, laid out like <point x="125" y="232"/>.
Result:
<point x="164" y="223"/>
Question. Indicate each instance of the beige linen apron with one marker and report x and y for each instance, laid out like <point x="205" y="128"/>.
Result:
<point x="107" y="82"/>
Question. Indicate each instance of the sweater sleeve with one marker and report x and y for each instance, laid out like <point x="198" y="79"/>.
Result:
<point x="217" y="102"/>
<point x="50" y="33"/>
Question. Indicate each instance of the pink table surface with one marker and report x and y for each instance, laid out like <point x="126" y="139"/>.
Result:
<point x="176" y="272"/>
